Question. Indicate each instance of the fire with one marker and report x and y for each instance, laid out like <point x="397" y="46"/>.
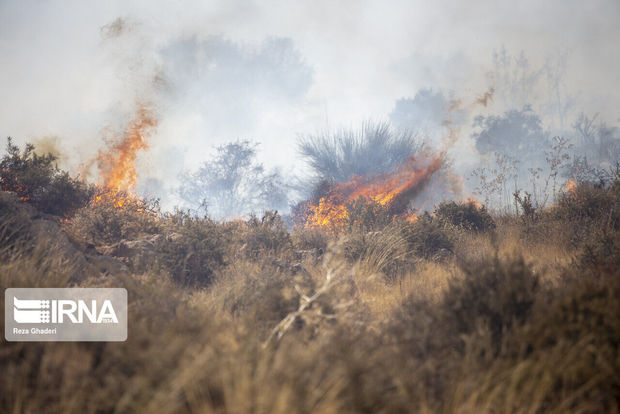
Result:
<point x="327" y="214"/>
<point x="120" y="200"/>
<point x="476" y="203"/>
<point x="393" y="190"/>
<point x="570" y="186"/>
<point x="411" y="217"/>
<point x="117" y="164"/>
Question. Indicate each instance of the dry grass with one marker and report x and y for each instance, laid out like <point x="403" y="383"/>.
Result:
<point x="369" y="326"/>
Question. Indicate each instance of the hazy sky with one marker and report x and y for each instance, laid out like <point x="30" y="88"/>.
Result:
<point x="271" y="70"/>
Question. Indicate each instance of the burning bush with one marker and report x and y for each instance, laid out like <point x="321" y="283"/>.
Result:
<point x="36" y="179"/>
<point x="367" y="215"/>
<point x="113" y="216"/>
<point x="370" y="201"/>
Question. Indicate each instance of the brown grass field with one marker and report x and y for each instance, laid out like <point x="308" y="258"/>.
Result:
<point x="451" y="313"/>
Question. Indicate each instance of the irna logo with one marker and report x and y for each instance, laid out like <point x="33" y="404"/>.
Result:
<point x="59" y="311"/>
<point x="65" y="314"/>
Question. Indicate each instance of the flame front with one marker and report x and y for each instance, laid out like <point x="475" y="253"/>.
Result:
<point x="393" y="190"/>
<point x="327" y="214"/>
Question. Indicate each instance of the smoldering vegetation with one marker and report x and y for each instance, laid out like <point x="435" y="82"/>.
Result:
<point x="461" y="308"/>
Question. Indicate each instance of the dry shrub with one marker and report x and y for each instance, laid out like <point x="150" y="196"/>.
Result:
<point x="265" y="236"/>
<point x="194" y="250"/>
<point x="464" y="215"/>
<point x="493" y="296"/>
<point x="427" y="239"/>
<point x="260" y="294"/>
<point x="105" y="223"/>
<point x="367" y="215"/>
<point x="436" y="339"/>
<point x="311" y="239"/>
<point x="588" y="203"/>
<point x="379" y="252"/>
<point x="564" y="359"/>
<point x="15" y="222"/>
<point x="101" y="377"/>
<point x="37" y="180"/>
<point x="600" y="252"/>
<point x="243" y="330"/>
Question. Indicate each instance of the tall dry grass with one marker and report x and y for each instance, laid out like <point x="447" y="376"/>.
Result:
<point x="506" y="320"/>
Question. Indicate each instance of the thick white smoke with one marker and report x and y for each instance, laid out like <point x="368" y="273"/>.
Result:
<point x="270" y="71"/>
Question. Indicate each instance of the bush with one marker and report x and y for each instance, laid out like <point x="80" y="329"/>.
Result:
<point x="373" y="149"/>
<point x="570" y="345"/>
<point x="602" y="251"/>
<point x="266" y="235"/>
<point x="367" y="215"/>
<point x="15" y="225"/>
<point x="261" y="294"/>
<point x="494" y="295"/>
<point x="589" y="203"/>
<point x="104" y="222"/>
<point x="378" y="252"/>
<point x="427" y="239"/>
<point x="466" y="215"/>
<point x="37" y="180"/>
<point x="313" y="239"/>
<point x="194" y="250"/>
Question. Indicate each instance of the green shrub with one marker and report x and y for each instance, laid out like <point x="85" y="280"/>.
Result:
<point x="37" y="180"/>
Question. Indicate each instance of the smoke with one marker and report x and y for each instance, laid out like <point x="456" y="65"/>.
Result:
<point x="215" y="72"/>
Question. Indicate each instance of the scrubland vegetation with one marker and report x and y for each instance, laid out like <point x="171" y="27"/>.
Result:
<point x="458" y="311"/>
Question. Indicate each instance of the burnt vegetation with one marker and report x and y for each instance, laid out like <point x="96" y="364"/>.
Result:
<point x="457" y="309"/>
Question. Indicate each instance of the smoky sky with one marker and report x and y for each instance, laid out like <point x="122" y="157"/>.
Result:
<point x="270" y="71"/>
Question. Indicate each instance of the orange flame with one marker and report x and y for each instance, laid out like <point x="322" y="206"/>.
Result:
<point x="117" y="164"/>
<point x="117" y="169"/>
<point x="476" y="203"/>
<point x="327" y="214"/>
<point x="570" y="185"/>
<point x="393" y="190"/>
